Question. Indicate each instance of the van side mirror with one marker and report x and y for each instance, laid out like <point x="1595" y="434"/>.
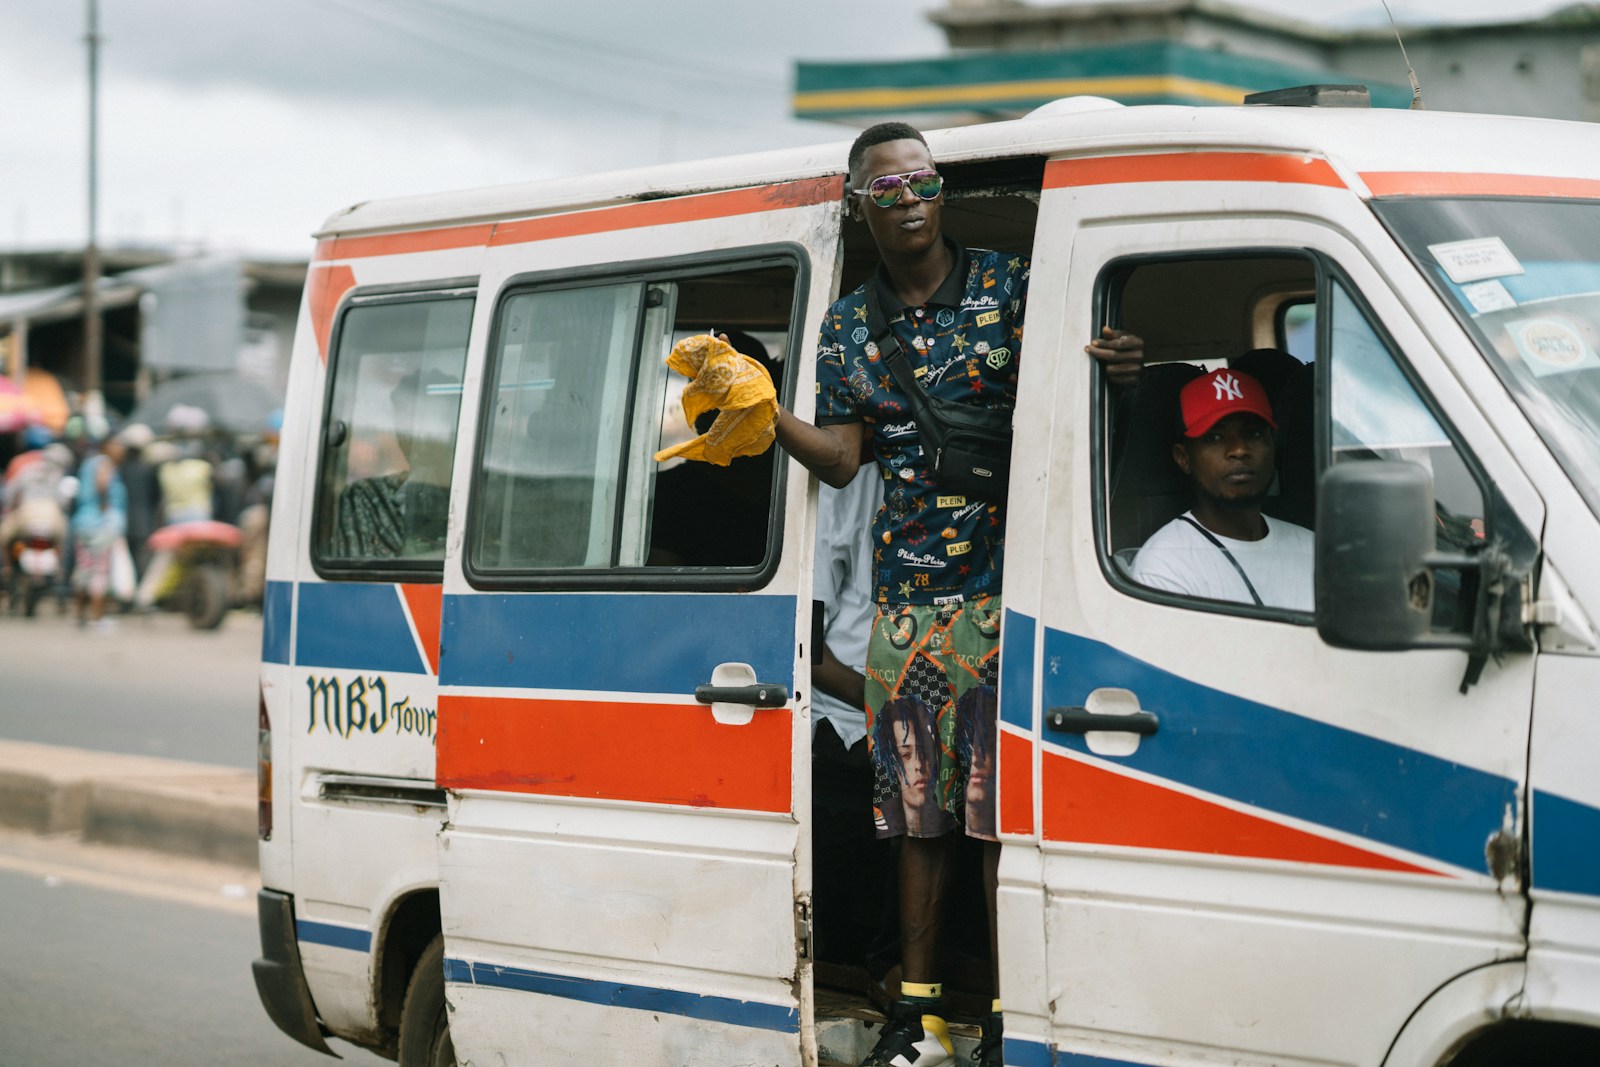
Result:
<point x="1376" y="564"/>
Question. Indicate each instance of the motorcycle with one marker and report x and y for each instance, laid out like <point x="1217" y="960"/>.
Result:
<point x="35" y="569"/>
<point x="194" y="568"/>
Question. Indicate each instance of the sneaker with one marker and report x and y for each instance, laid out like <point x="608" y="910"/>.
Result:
<point x="912" y="1039"/>
<point x="990" y="1051"/>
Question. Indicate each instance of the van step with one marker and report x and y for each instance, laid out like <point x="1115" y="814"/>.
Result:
<point x="843" y="1042"/>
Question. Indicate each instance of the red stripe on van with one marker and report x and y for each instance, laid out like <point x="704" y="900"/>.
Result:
<point x="1088" y="804"/>
<point x="325" y="287"/>
<point x="1191" y="167"/>
<point x="667" y="210"/>
<point x="671" y="210"/>
<point x="424" y="603"/>
<point x="651" y="753"/>
<point x="1016" y="783"/>
<point x="395" y="244"/>
<point x="1429" y="183"/>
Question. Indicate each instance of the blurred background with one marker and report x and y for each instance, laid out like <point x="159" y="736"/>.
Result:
<point x="165" y="165"/>
<point x="223" y="134"/>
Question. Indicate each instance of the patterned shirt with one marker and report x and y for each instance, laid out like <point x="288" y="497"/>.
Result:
<point x="390" y="517"/>
<point x="964" y="344"/>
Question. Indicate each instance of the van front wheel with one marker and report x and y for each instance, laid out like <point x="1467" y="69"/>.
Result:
<point x="424" y="1025"/>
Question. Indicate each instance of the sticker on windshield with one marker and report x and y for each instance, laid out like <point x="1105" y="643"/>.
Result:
<point x="1551" y="346"/>
<point x="1475" y="260"/>
<point x="1488" y="296"/>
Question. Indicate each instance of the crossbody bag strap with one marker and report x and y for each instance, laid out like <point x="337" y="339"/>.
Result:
<point x="894" y="354"/>
<point x="1227" y="555"/>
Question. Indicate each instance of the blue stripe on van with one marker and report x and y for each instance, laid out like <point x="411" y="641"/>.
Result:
<point x="1077" y="1059"/>
<point x="1018" y="637"/>
<point x="277" y="609"/>
<point x="1023" y="1053"/>
<point x="1273" y="759"/>
<point x="617" y="995"/>
<point x="1566" y="845"/>
<point x="357" y="626"/>
<point x="613" y="642"/>
<point x="351" y="937"/>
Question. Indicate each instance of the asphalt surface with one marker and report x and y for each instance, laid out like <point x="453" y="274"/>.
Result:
<point x="129" y="958"/>
<point x="141" y="735"/>
<point x="149" y="687"/>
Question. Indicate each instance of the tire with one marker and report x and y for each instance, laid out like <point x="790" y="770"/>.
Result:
<point x="206" y="597"/>
<point x="424" y="1020"/>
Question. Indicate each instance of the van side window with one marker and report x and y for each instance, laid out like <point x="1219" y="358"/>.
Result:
<point x="1284" y="320"/>
<point x="1231" y="311"/>
<point x="552" y="458"/>
<point x="579" y="401"/>
<point x="1376" y="413"/>
<point x="389" y="436"/>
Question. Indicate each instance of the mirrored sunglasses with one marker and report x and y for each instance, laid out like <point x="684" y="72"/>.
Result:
<point x="885" y="190"/>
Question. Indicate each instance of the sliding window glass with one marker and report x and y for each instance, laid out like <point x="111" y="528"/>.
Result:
<point x="389" y="434"/>
<point x="578" y="402"/>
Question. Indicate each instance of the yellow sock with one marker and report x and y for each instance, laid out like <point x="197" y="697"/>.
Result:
<point x="921" y="990"/>
<point x="994" y="1006"/>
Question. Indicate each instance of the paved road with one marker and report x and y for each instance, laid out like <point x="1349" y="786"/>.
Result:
<point x="151" y="687"/>
<point x="128" y="959"/>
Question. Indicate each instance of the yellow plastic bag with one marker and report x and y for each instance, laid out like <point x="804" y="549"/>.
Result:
<point x="737" y="387"/>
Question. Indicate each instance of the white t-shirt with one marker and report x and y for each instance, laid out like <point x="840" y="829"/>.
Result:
<point x="842" y="580"/>
<point x="1179" y="559"/>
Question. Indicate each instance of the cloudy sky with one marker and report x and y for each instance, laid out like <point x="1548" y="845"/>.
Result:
<point x="233" y="126"/>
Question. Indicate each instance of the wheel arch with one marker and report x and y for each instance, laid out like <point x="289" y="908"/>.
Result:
<point x="1516" y="1042"/>
<point x="412" y="922"/>
<point x="1489" y="1017"/>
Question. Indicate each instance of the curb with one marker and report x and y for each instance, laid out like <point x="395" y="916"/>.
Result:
<point x="193" y="809"/>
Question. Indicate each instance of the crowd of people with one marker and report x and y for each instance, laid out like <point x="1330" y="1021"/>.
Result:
<point x="98" y="496"/>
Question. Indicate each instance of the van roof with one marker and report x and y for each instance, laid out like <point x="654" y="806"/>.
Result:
<point x="1354" y="141"/>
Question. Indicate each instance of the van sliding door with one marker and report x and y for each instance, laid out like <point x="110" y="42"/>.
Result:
<point x="624" y="871"/>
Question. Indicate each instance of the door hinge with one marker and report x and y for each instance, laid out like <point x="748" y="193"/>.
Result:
<point x="802" y="928"/>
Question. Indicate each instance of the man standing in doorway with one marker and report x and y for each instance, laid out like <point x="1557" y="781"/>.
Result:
<point x="957" y="314"/>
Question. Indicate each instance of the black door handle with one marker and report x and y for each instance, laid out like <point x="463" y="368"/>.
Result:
<point x="1082" y="721"/>
<point x="758" y="695"/>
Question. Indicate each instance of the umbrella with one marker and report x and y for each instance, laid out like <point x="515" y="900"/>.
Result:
<point x="47" y="395"/>
<point x="17" y="409"/>
<point x="232" y="404"/>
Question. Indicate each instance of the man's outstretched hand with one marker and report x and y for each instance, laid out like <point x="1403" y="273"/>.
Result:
<point x="1120" y="353"/>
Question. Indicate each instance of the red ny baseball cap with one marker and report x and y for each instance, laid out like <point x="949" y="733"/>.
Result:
<point x="1212" y="397"/>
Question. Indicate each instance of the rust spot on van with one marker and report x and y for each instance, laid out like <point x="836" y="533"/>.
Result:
<point x="806" y="192"/>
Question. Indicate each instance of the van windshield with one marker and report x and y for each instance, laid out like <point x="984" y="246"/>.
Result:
<point x="1523" y="276"/>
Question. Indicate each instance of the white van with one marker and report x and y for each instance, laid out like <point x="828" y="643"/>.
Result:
<point x="505" y="821"/>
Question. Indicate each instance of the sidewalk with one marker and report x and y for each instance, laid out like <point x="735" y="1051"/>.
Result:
<point x="192" y="809"/>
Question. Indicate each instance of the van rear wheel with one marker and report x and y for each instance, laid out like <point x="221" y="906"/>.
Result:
<point x="424" y="1024"/>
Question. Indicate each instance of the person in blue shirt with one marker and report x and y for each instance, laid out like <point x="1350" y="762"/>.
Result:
<point x="98" y="524"/>
<point x="957" y="313"/>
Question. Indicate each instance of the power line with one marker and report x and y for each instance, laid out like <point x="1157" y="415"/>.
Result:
<point x="690" y="70"/>
<point x="397" y="24"/>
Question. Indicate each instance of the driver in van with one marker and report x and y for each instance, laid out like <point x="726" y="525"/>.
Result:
<point x="937" y="555"/>
<point x="1224" y="548"/>
<point x="401" y="515"/>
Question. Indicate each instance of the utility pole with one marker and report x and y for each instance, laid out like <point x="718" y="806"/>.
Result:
<point x="93" y="398"/>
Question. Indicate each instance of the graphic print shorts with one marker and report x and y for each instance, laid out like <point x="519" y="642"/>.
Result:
<point x="931" y="677"/>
